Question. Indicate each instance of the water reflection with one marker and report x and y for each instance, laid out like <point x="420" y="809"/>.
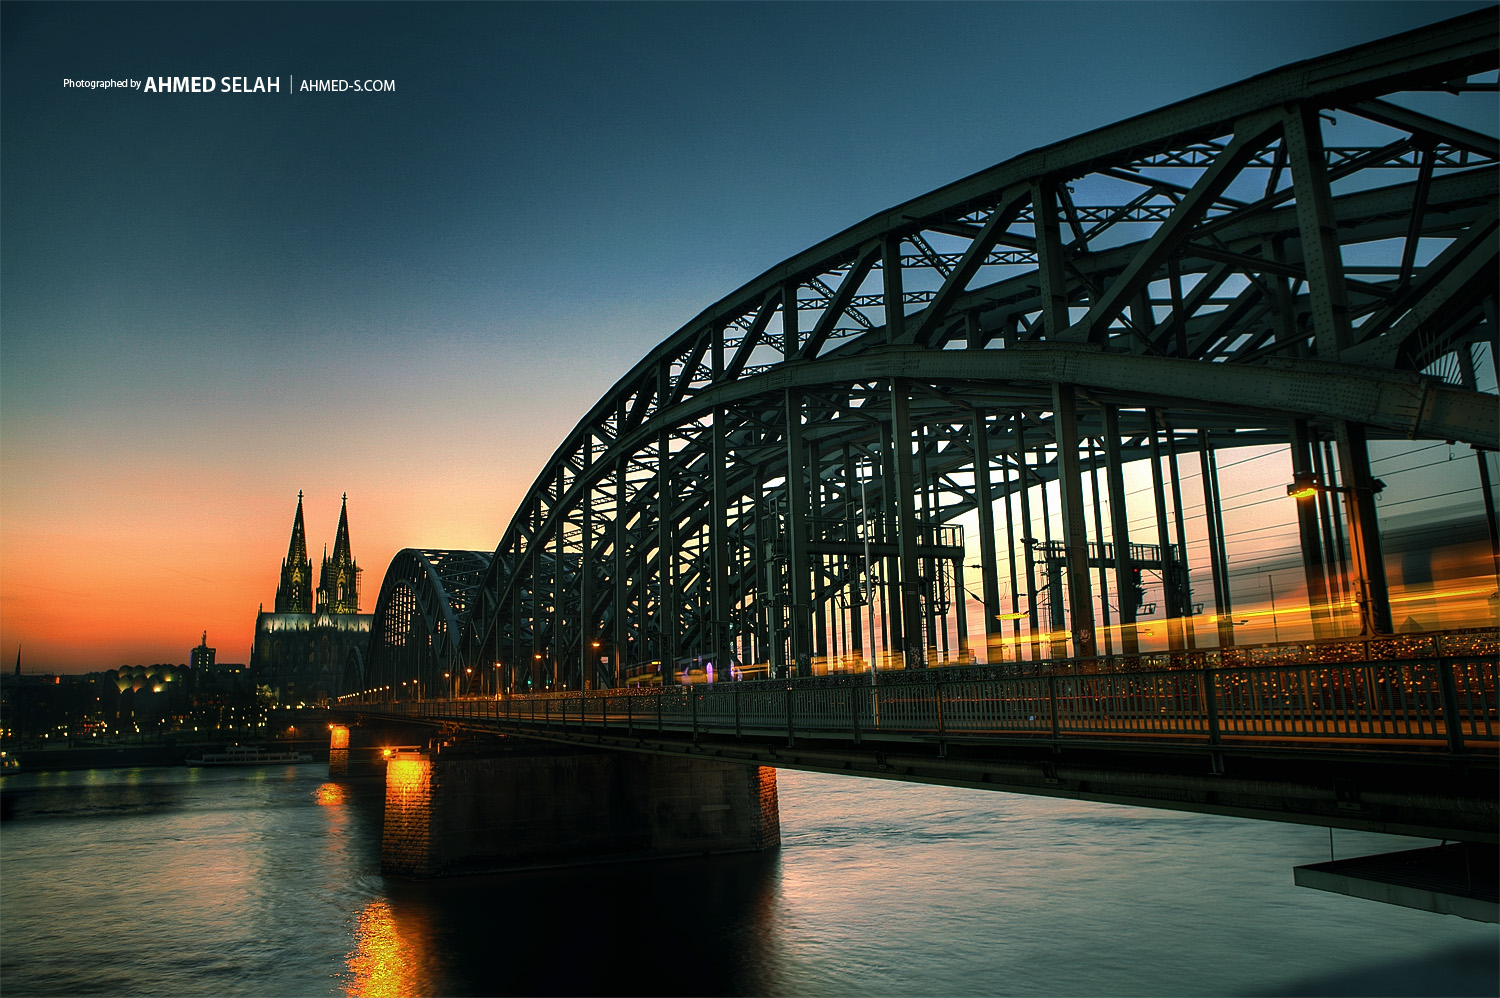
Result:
<point x="385" y="959"/>
<point x="329" y="795"/>
<point x="696" y="926"/>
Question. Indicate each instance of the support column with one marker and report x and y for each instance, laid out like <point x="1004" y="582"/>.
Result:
<point x="1222" y="605"/>
<point x="561" y="670"/>
<point x="1075" y="529"/>
<point x="906" y="525"/>
<point x="666" y="562"/>
<point x="542" y="668"/>
<point x="1100" y="563"/>
<point x="961" y="601"/>
<point x="1189" y="611"/>
<point x="1010" y="560"/>
<point x="618" y="662"/>
<point x="765" y="570"/>
<point x="1119" y="525"/>
<point x="1028" y="540"/>
<point x="818" y="640"/>
<point x="993" y="636"/>
<point x="1172" y="603"/>
<point x="588" y="622"/>
<point x="1307" y="532"/>
<point x="1486" y="486"/>
<point x="930" y="572"/>
<point x="1364" y="531"/>
<point x="718" y="592"/>
<point x="857" y="594"/>
<point x="892" y="619"/>
<point x="796" y="490"/>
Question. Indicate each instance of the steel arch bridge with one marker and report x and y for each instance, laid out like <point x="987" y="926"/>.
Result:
<point x="1300" y="260"/>
<point x="424" y="599"/>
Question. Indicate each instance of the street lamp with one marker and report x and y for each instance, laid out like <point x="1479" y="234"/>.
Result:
<point x="1305" y="485"/>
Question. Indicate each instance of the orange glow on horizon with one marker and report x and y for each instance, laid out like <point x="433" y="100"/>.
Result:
<point x="164" y="564"/>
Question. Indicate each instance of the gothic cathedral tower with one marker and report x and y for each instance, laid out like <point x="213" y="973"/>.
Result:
<point x="294" y="594"/>
<point x="338" y="581"/>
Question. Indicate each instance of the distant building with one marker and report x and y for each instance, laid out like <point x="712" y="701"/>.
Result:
<point x="301" y="647"/>
<point x="201" y="657"/>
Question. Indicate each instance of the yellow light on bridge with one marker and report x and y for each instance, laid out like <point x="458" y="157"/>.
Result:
<point x="1304" y="485"/>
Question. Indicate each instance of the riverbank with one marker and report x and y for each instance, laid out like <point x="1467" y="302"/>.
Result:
<point x="159" y="754"/>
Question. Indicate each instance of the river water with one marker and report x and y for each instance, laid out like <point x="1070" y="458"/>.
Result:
<point x="177" y="881"/>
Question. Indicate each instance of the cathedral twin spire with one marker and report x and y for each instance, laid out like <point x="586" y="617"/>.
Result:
<point x="338" y="588"/>
<point x="338" y="582"/>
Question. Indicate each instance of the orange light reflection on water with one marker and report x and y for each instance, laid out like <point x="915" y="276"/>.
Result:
<point x="385" y="961"/>
<point x="330" y="795"/>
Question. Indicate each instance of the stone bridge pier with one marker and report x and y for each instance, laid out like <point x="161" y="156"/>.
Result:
<point x="507" y="803"/>
<point x="362" y="749"/>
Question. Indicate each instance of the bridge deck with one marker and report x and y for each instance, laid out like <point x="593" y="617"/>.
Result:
<point x="1404" y="747"/>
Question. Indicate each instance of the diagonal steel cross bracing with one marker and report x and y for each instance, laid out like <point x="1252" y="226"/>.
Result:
<point x="796" y="475"/>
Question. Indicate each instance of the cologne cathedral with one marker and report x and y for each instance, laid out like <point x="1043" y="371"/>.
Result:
<point x="302" y="646"/>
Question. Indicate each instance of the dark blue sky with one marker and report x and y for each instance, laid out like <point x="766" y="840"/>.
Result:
<point x="211" y="301"/>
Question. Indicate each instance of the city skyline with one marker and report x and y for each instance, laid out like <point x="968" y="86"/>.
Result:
<point x="217" y="300"/>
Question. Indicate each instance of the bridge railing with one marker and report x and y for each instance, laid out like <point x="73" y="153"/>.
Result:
<point x="1475" y="642"/>
<point x="1435" y="704"/>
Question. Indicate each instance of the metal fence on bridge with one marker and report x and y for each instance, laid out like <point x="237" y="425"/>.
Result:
<point x="1439" y="703"/>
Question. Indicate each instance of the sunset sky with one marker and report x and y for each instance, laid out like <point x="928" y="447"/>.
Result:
<point x="212" y="301"/>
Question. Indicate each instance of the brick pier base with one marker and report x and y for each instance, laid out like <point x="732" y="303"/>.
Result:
<point x="532" y="804"/>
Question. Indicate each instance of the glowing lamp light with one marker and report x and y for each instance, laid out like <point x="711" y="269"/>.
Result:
<point x="1304" y="485"/>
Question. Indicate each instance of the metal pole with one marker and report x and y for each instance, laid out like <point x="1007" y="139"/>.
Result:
<point x="906" y="525"/>
<point x="1364" y="531"/>
<point x="1075" y="531"/>
<point x="1307" y="531"/>
<point x="1104" y="616"/>
<point x="1010" y="559"/>
<point x="1119" y="524"/>
<point x="1189" y="611"/>
<point x="1027" y="538"/>
<point x="864" y="505"/>
<point x="993" y="635"/>
<point x="1211" y="519"/>
<point x="796" y="488"/>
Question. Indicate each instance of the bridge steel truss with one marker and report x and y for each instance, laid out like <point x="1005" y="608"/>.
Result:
<point x="788" y="468"/>
<point x="424" y="599"/>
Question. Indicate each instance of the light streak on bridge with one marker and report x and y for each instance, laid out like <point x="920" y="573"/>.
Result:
<point x="992" y="429"/>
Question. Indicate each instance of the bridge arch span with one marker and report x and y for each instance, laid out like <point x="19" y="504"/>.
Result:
<point x="424" y="598"/>
<point x="802" y="476"/>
